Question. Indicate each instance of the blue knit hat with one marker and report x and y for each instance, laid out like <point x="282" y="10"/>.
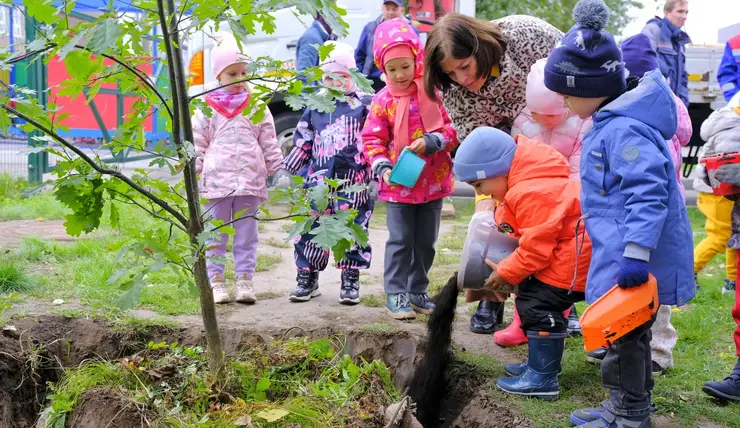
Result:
<point x="639" y="55"/>
<point x="485" y="153"/>
<point x="586" y="62"/>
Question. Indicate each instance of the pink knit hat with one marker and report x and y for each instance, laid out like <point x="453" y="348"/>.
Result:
<point x="224" y="55"/>
<point x="540" y="99"/>
<point x="340" y="60"/>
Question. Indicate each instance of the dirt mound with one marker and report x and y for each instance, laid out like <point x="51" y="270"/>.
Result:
<point x="103" y="408"/>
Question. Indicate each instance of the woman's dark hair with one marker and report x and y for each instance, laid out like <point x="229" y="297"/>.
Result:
<point x="459" y="36"/>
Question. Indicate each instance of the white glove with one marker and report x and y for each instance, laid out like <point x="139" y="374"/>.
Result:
<point x="282" y="179"/>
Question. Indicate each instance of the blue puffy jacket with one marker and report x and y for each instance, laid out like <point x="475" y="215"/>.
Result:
<point x="307" y="55"/>
<point x="364" y="53"/>
<point x="670" y="43"/>
<point x="728" y="74"/>
<point x="630" y="195"/>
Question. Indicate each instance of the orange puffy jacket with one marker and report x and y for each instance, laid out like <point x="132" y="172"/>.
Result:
<point x="541" y="208"/>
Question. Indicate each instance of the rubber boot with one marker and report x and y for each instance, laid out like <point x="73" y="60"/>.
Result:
<point x="486" y="317"/>
<point x="540" y="378"/>
<point x="513" y="335"/>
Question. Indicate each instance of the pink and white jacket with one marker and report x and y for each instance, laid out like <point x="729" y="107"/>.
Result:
<point x="565" y="137"/>
<point x="236" y="156"/>
<point x="684" y="131"/>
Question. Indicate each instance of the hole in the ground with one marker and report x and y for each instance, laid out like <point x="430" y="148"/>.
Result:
<point x="37" y="352"/>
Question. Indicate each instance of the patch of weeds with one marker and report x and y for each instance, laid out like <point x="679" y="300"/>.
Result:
<point x="43" y="205"/>
<point x="296" y="382"/>
<point x="380" y="328"/>
<point x="129" y="323"/>
<point x="269" y="294"/>
<point x="266" y="262"/>
<point x="485" y="365"/>
<point x="373" y="300"/>
<point x="454" y="240"/>
<point x="11" y="187"/>
<point x="13" y="275"/>
<point x="286" y="226"/>
<point x="447" y="259"/>
<point x="73" y="313"/>
<point x="277" y="243"/>
<point x="7" y="300"/>
<point x="261" y="227"/>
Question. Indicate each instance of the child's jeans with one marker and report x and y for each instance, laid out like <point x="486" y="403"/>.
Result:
<point x="718" y="210"/>
<point x="245" y="239"/>
<point x="627" y="372"/>
<point x="409" y="251"/>
<point x="540" y="306"/>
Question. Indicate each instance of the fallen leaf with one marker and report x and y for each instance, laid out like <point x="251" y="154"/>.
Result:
<point x="40" y="219"/>
<point x="273" y="415"/>
<point x="57" y="302"/>
<point x="244" y="421"/>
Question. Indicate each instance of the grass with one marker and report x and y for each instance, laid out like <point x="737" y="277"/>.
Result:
<point x="269" y="294"/>
<point x="43" y="205"/>
<point x="373" y="300"/>
<point x="266" y="262"/>
<point x="13" y="275"/>
<point x="380" y="328"/>
<point x="277" y="243"/>
<point x="454" y="240"/>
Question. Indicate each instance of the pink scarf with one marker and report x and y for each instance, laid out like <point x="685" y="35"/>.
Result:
<point x="431" y="118"/>
<point x="227" y="103"/>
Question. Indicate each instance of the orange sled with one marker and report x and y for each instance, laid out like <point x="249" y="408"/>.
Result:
<point x="617" y="312"/>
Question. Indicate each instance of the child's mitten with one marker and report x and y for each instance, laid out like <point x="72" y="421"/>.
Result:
<point x="632" y="272"/>
<point x="729" y="173"/>
<point x="282" y="179"/>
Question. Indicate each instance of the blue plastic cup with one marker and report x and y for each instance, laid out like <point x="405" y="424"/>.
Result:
<point x="408" y="169"/>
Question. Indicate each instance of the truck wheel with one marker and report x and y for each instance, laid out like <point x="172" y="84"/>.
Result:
<point x="285" y="124"/>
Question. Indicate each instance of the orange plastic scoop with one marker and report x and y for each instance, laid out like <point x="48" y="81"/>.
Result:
<point x="617" y="312"/>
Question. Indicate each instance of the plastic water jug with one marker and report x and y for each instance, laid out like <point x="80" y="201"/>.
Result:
<point x="407" y="170"/>
<point x="484" y="241"/>
<point x="617" y="312"/>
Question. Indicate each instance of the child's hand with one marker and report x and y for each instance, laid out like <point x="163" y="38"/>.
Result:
<point x="419" y="146"/>
<point x="496" y="281"/>
<point x="387" y="177"/>
<point x="632" y="273"/>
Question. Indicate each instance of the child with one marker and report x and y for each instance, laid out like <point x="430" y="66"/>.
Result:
<point x="236" y="157"/>
<point x="329" y="145"/>
<point x="717" y="209"/>
<point x="540" y="206"/>
<point x="722" y="131"/>
<point x="546" y="119"/>
<point x="402" y="117"/>
<point x="639" y="58"/>
<point x="634" y="213"/>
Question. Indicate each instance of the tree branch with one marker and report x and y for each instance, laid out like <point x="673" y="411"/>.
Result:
<point x="149" y="211"/>
<point x="241" y="81"/>
<point x="254" y="216"/>
<point x="105" y="171"/>
<point x="141" y="76"/>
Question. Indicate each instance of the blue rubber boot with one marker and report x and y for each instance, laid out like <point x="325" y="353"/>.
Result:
<point x="540" y="378"/>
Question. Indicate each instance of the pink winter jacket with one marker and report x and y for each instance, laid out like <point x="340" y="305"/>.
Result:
<point x="564" y="137"/>
<point x="681" y="139"/>
<point x="236" y="156"/>
<point x="436" y="181"/>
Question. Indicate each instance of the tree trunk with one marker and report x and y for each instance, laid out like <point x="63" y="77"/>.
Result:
<point x="182" y="129"/>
